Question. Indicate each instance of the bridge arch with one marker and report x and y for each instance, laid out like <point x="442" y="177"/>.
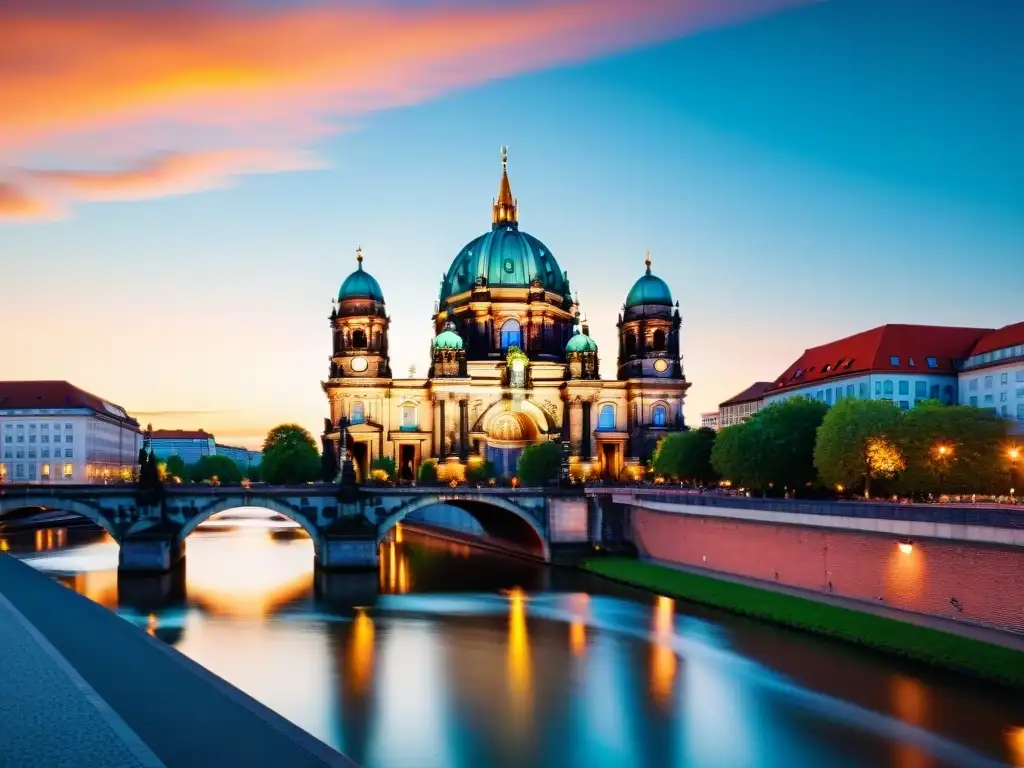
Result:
<point x="274" y="505"/>
<point x="101" y="517"/>
<point x="482" y="508"/>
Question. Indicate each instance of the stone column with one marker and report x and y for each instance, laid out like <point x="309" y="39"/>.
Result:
<point x="463" y="430"/>
<point x="567" y="421"/>
<point x="585" y="444"/>
<point x="441" y="452"/>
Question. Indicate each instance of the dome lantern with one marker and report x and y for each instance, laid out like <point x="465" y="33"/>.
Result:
<point x="505" y="208"/>
<point x="360" y="284"/>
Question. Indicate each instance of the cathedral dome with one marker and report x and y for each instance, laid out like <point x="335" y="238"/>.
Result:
<point x="448" y="338"/>
<point x="505" y="256"/>
<point x="360" y="284"/>
<point x="581" y="342"/>
<point x="649" y="289"/>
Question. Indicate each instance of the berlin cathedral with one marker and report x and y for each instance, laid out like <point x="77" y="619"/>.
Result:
<point x="511" y="364"/>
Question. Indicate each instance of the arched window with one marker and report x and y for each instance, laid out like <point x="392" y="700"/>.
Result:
<point x="606" y="417"/>
<point x="409" y="420"/>
<point x="511" y="335"/>
<point x="659" y="416"/>
<point x="359" y="339"/>
<point x="659" y="340"/>
<point x="358" y="412"/>
<point x="630" y="343"/>
<point x="887" y="387"/>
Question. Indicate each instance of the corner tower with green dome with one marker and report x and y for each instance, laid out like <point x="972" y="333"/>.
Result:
<point x="359" y="328"/>
<point x="505" y="289"/>
<point x="649" y="330"/>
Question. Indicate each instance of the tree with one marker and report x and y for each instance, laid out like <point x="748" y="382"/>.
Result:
<point x="774" y="450"/>
<point x="686" y="456"/>
<point x="176" y="467"/>
<point x="385" y="465"/>
<point x="857" y="442"/>
<point x="539" y="463"/>
<point x="427" y="474"/>
<point x="289" y="456"/>
<point x="481" y="472"/>
<point x="952" y="449"/>
<point x="220" y="467"/>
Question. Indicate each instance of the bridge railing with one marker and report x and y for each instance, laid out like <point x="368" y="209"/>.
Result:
<point x="996" y="517"/>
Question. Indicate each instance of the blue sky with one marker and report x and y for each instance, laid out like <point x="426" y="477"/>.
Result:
<point x="797" y="177"/>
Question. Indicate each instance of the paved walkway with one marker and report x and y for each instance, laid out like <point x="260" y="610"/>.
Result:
<point x="994" y="636"/>
<point x="81" y="687"/>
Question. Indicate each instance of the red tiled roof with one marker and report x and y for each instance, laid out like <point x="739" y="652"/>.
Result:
<point x="52" y="395"/>
<point x="181" y="434"/>
<point x="871" y="351"/>
<point x="1007" y="336"/>
<point x="754" y="392"/>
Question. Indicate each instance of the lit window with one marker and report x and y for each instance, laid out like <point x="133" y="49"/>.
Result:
<point x="606" y="417"/>
<point x="44" y="472"/>
<point x="894" y="360"/>
<point x="358" y="413"/>
<point x="510" y="334"/>
<point x="69" y="470"/>
<point x="658" y="416"/>
<point x="932" y="362"/>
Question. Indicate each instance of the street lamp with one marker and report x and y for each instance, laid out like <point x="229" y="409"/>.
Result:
<point x="945" y="451"/>
<point x="1014" y="454"/>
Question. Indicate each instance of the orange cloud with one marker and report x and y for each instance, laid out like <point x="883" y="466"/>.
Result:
<point x="20" y="205"/>
<point x="221" y="74"/>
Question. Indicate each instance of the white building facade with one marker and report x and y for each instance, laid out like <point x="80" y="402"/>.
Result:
<point x="993" y="376"/>
<point x="741" y="407"/>
<point x="709" y="420"/>
<point x="54" y="433"/>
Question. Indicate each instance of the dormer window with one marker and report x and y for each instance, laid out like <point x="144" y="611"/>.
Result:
<point x="911" y="361"/>
<point x="894" y="360"/>
<point x="849" y="363"/>
<point x="932" y="362"/>
<point x="825" y="368"/>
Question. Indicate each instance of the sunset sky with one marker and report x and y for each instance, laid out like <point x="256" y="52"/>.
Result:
<point x="183" y="184"/>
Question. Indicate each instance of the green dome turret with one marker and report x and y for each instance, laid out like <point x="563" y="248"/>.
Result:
<point x="448" y="338"/>
<point x="360" y="284"/>
<point x="581" y="342"/>
<point x="649" y="289"/>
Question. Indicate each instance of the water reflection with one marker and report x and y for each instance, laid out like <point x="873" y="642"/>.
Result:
<point x="450" y="657"/>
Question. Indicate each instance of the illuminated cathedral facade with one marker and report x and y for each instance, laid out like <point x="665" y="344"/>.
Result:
<point x="511" y="364"/>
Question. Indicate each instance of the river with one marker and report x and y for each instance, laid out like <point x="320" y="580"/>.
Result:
<point x="450" y="656"/>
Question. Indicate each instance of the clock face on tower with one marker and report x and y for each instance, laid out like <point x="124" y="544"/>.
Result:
<point x="359" y="364"/>
<point x="661" y="365"/>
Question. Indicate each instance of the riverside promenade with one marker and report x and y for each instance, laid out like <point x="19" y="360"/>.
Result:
<point x="81" y="687"/>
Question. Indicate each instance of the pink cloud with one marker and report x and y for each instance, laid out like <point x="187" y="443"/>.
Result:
<point x="193" y="75"/>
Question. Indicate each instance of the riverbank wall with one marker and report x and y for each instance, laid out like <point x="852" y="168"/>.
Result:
<point x="963" y="565"/>
<point x="181" y="712"/>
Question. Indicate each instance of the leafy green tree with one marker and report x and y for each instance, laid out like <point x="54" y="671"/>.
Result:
<point x="176" y="467"/>
<point x="481" y="472"/>
<point x="774" y="450"/>
<point x="427" y="474"/>
<point x="384" y="464"/>
<point x="952" y="449"/>
<point x="221" y="467"/>
<point x="290" y="456"/>
<point x="539" y="463"/>
<point x="686" y="456"/>
<point x="857" y="443"/>
<point x="254" y="473"/>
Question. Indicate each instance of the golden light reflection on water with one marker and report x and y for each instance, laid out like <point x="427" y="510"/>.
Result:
<point x="393" y="570"/>
<point x="578" y="625"/>
<point x="239" y="583"/>
<point x="98" y="586"/>
<point x="910" y="704"/>
<point x="663" y="656"/>
<point x="360" y="652"/>
<point x="1015" y="746"/>
<point x="519" y="671"/>
<point x="50" y="538"/>
<point x="151" y="625"/>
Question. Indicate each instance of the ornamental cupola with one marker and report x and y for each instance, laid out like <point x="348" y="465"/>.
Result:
<point x="581" y="355"/>
<point x="447" y="354"/>
<point x="359" y="326"/>
<point x="649" y="330"/>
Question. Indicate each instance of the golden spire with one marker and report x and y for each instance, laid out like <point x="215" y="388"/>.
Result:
<point x="359" y="256"/>
<point x="647" y="260"/>
<point x="505" y="207"/>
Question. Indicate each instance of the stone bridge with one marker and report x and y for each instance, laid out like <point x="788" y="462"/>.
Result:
<point x="346" y="532"/>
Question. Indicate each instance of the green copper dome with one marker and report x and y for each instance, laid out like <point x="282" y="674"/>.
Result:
<point x="360" y="284"/>
<point x="505" y="257"/>
<point x="649" y="289"/>
<point x="581" y="342"/>
<point x="448" y="338"/>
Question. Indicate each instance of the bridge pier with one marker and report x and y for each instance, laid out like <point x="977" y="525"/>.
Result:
<point x="347" y="553"/>
<point x="150" y="553"/>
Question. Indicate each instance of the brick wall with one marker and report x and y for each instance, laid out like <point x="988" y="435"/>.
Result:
<point x="987" y="581"/>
